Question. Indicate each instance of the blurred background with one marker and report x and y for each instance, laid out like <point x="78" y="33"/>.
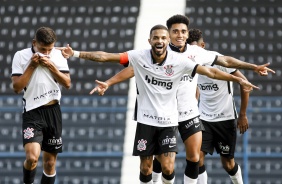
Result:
<point x="98" y="131"/>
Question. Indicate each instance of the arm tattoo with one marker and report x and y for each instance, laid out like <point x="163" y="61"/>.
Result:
<point x="90" y="56"/>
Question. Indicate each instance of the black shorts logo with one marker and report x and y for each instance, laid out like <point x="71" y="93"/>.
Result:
<point x="141" y="145"/>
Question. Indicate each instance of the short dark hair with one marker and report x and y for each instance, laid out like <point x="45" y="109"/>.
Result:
<point x="194" y="35"/>
<point x="159" y="26"/>
<point x="177" y="19"/>
<point x="45" y="35"/>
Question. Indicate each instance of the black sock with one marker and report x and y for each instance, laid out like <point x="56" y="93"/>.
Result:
<point x="169" y="177"/>
<point x="202" y="169"/>
<point x="47" y="180"/>
<point x="233" y="171"/>
<point x="28" y="175"/>
<point x="192" y="169"/>
<point x="144" y="178"/>
<point x="157" y="168"/>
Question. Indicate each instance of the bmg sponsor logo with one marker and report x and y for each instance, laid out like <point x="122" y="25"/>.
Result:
<point x="169" y="141"/>
<point x="55" y="141"/>
<point x="208" y="86"/>
<point x="186" y="78"/>
<point x="159" y="82"/>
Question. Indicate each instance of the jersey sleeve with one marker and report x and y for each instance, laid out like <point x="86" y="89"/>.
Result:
<point x="17" y="69"/>
<point x="204" y="57"/>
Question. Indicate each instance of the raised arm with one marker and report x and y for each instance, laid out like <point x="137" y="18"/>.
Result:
<point x="123" y="75"/>
<point x="231" y="62"/>
<point x="97" y="56"/>
<point x="242" y="122"/>
<point x="215" y="73"/>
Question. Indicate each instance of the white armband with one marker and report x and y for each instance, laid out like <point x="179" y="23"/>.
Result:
<point x="76" y="54"/>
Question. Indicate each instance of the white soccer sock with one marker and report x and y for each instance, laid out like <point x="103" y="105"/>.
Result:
<point x="188" y="180"/>
<point x="157" y="177"/>
<point x="150" y="182"/>
<point x="237" y="178"/>
<point x="165" y="181"/>
<point x="203" y="178"/>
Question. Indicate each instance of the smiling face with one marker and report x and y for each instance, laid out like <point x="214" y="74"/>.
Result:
<point x="159" y="40"/>
<point x="178" y="34"/>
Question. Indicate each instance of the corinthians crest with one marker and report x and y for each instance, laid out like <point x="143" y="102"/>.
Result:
<point x="168" y="70"/>
<point x="141" y="145"/>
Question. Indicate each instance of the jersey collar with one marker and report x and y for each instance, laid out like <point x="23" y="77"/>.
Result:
<point x="154" y="62"/>
<point x="176" y="49"/>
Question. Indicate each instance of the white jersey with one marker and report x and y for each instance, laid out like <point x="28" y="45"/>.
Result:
<point x="216" y="98"/>
<point x="42" y="87"/>
<point x="186" y="94"/>
<point x="157" y="85"/>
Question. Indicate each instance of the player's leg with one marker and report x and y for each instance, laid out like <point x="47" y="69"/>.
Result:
<point x="192" y="147"/>
<point x="146" y="166"/>
<point x="32" y="152"/>
<point x="207" y="147"/>
<point x="233" y="169"/>
<point x="167" y="162"/>
<point x="157" y="171"/>
<point x="52" y="142"/>
<point x="166" y="151"/>
<point x="226" y="136"/>
<point x="32" y="139"/>
<point x="145" y="144"/>
<point x="191" y="134"/>
<point x="49" y="168"/>
<point x="203" y="176"/>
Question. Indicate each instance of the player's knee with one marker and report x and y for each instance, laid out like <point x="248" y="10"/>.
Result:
<point x="146" y="170"/>
<point x="228" y="166"/>
<point x="31" y="161"/>
<point x="168" y="169"/>
<point x="49" y="165"/>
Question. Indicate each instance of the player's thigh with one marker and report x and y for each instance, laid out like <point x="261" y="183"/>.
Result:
<point x="32" y="151"/>
<point x="193" y="146"/>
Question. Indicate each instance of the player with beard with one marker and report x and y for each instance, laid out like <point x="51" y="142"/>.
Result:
<point x="157" y="72"/>
<point x="190" y="127"/>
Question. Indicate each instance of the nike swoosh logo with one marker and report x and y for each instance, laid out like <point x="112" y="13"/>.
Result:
<point x="171" y="146"/>
<point x="58" y="147"/>
<point x="145" y="66"/>
<point x="196" y="126"/>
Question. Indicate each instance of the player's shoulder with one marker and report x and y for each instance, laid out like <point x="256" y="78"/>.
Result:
<point x="57" y="53"/>
<point x="25" y="51"/>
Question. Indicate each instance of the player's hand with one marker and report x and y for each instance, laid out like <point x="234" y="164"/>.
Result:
<point x="247" y="86"/>
<point x="100" y="88"/>
<point x="45" y="61"/>
<point x="263" y="69"/>
<point x="67" y="51"/>
<point x="34" y="61"/>
<point x="242" y="123"/>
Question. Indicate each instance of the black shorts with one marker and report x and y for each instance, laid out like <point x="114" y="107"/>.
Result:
<point x="190" y="127"/>
<point x="151" y="140"/>
<point x="220" y="135"/>
<point x="44" y="125"/>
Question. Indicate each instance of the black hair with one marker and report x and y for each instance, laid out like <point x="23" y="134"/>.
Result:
<point x="177" y="19"/>
<point x="159" y="26"/>
<point x="45" y="35"/>
<point x="194" y="35"/>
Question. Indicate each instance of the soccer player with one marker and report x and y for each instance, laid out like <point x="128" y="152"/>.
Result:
<point x="38" y="71"/>
<point x="157" y="72"/>
<point x="190" y="127"/>
<point x="218" y="115"/>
